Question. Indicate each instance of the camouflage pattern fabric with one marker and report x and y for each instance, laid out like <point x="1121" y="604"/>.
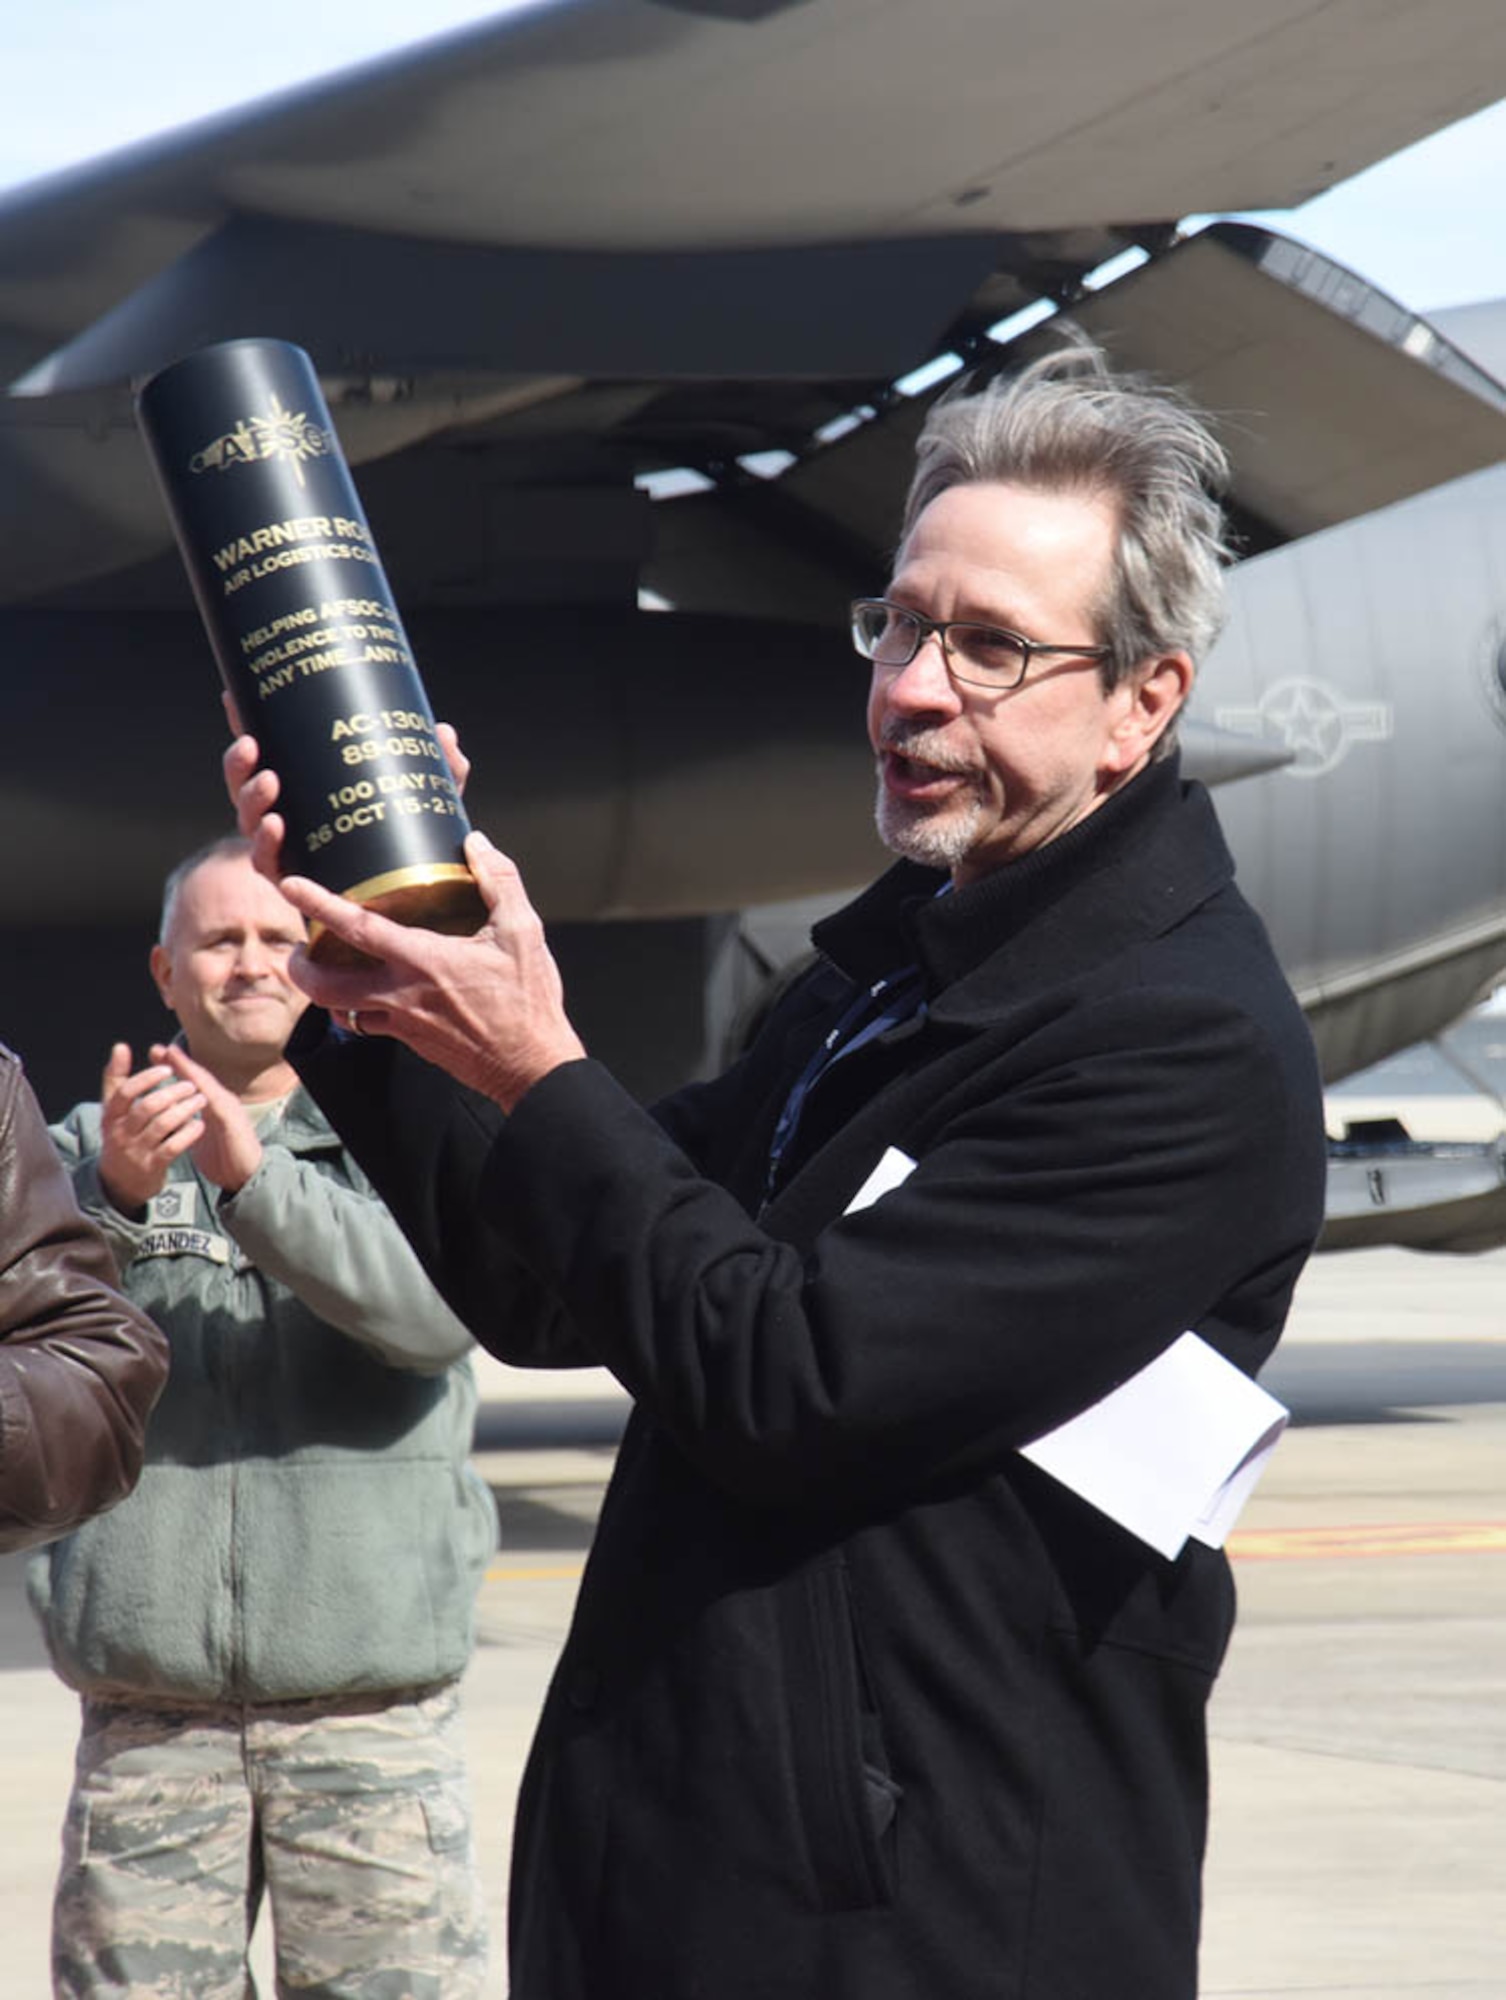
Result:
<point x="352" y="1819"/>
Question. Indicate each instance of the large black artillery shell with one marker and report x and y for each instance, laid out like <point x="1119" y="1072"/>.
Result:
<point x="305" y="630"/>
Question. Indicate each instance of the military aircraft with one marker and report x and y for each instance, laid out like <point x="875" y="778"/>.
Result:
<point x="632" y="303"/>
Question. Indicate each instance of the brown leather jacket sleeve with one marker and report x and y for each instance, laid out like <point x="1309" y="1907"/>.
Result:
<point x="80" y="1368"/>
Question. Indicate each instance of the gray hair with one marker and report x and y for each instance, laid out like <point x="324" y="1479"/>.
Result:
<point x="230" y="846"/>
<point x="1068" y="423"/>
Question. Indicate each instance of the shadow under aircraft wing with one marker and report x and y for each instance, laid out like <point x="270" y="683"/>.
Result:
<point x="562" y="266"/>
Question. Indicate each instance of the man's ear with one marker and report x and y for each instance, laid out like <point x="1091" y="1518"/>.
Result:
<point x="1153" y="696"/>
<point x="161" y="962"/>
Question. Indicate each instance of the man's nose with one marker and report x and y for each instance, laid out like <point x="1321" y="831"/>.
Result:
<point x="924" y="685"/>
<point x="252" y="958"/>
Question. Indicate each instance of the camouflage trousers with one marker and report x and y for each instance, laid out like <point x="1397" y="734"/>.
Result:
<point x="352" y="1820"/>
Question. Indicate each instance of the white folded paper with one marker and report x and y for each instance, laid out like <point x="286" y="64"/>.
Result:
<point x="1173" y="1452"/>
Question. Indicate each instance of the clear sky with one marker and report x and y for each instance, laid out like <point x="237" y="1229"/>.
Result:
<point x="79" y="77"/>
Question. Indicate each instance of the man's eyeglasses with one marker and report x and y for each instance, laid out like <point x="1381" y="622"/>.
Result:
<point x="986" y="656"/>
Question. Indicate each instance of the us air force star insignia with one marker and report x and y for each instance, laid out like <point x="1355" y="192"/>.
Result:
<point x="1315" y="723"/>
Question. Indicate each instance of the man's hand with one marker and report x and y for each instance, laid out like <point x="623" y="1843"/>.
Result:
<point x="489" y="1008"/>
<point x="228" y="1151"/>
<point x="147" y="1121"/>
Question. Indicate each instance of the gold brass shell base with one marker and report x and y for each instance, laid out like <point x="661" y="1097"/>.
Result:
<point x="436" y="897"/>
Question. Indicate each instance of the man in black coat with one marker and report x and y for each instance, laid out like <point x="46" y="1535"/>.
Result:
<point x="858" y="1704"/>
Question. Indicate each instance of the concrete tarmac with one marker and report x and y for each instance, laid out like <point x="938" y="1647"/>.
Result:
<point x="1358" y="1847"/>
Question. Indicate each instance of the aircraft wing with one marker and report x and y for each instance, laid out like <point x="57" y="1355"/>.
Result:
<point x="665" y="230"/>
<point x="667" y="127"/>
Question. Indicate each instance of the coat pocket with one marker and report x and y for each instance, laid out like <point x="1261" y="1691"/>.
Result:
<point x="849" y="1800"/>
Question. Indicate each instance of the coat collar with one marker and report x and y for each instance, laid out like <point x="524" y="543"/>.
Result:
<point x="1133" y="869"/>
<point x="301" y="1126"/>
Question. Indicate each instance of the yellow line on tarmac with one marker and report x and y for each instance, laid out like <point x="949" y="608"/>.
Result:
<point x="542" y="1573"/>
<point x="1419" y="1538"/>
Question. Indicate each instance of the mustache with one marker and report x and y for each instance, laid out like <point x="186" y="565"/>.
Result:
<point x="924" y="746"/>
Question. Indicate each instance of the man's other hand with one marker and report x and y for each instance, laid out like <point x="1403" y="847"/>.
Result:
<point x="227" y="1151"/>
<point x="147" y="1121"/>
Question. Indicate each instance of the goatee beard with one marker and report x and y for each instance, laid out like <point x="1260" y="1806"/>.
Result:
<point x="935" y="836"/>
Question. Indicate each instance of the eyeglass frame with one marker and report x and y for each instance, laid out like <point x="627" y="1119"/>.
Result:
<point x="938" y="628"/>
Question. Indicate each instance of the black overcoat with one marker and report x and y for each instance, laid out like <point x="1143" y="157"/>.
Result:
<point x="857" y="1704"/>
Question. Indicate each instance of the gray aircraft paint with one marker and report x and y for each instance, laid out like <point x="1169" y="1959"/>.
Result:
<point x="1376" y="652"/>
